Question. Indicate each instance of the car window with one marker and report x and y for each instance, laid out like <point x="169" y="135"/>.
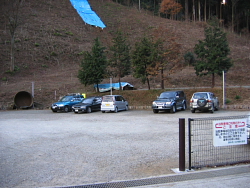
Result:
<point x="200" y="95"/>
<point x="212" y="95"/>
<point x="107" y="99"/>
<point x="88" y="100"/>
<point x="122" y="99"/>
<point x="181" y="94"/>
<point x="167" y="95"/>
<point x="118" y="98"/>
<point x="66" y="98"/>
<point x="98" y="100"/>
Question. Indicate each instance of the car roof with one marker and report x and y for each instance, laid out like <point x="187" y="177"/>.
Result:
<point x="92" y="97"/>
<point x="111" y="95"/>
<point x="172" y="91"/>
<point x="203" y="92"/>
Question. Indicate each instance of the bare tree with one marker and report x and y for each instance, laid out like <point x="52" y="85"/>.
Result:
<point x="234" y="2"/>
<point x="186" y="10"/>
<point x="10" y="10"/>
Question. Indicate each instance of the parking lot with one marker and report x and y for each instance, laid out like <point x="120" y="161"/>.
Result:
<point x="39" y="148"/>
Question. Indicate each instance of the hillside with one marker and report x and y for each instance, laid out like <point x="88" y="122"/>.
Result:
<point x="51" y="35"/>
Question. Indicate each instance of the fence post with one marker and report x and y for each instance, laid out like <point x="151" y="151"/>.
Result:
<point x="189" y="143"/>
<point x="181" y="144"/>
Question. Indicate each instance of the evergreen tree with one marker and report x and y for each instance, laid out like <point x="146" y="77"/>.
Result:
<point x="120" y="60"/>
<point x="144" y="58"/>
<point x="212" y="53"/>
<point x="93" y="66"/>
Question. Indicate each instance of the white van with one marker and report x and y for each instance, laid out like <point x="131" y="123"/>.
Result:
<point x="113" y="103"/>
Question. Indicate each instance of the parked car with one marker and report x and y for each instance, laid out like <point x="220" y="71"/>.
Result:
<point x="113" y="103"/>
<point x="170" y="100"/>
<point x="88" y="105"/>
<point x="204" y="101"/>
<point x="65" y="103"/>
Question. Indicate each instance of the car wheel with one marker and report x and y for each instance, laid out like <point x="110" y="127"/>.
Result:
<point x="89" y="110"/>
<point x="66" y="109"/>
<point x="217" y="107"/>
<point x="193" y="110"/>
<point x="116" y="110"/>
<point x="155" y="111"/>
<point x="184" y="106"/>
<point x="126" y="108"/>
<point x="173" y="110"/>
<point x="212" y="109"/>
<point x="54" y="111"/>
<point x="201" y="102"/>
<point x="103" y="111"/>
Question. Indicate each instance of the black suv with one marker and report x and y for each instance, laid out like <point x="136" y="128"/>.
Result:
<point x="170" y="100"/>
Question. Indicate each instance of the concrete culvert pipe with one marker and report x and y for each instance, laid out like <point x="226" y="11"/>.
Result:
<point x="23" y="99"/>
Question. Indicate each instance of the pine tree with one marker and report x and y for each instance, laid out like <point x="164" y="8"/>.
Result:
<point x="145" y="57"/>
<point x="120" y="60"/>
<point x="212" y="53"/>
<point x="93" y="65"/>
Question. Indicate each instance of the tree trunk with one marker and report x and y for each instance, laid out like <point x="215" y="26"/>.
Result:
<point x="12" y="54"/>
<point x="162" y="79"/>
<point x="199" y="9"/>
<point x="97" y="87"/>
<point x="205" y="11"/>
<point x="186" y="10"/>
<point x="148" y="84"/>
<point x="193" y="11"/>
<point x="213" y="80"/>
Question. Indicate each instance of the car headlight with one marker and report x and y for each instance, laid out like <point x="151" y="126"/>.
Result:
<point x="154" y="103"/>
<point x="83" y="107"/>
<point x="168" y="103"/>
<point x="61" y="105"/>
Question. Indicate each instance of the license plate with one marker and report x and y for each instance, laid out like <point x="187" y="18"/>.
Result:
<point x="107" y="104"/>
<point x="160" y="107"/>
<point x="76" y="110"/>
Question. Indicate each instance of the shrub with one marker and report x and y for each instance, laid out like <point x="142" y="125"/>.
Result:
<point x="237" y="97"/>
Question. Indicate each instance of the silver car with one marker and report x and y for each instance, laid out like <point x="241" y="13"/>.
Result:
<point x="113" y="103"/>
<point x="204" y="101"/>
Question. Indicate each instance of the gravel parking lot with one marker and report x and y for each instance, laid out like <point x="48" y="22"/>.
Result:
<point x="39" y="148"/>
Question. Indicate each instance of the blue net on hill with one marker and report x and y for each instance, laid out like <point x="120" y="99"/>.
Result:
<point x="87" y="14"/>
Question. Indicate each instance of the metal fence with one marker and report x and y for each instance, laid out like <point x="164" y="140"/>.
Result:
<point x="201" y="149"/>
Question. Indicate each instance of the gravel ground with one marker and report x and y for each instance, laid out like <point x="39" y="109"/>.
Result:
<point x="39" y="148"/>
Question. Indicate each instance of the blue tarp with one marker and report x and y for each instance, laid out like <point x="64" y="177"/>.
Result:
<point x="116" y="86"/>
<point x="87" y="14"/>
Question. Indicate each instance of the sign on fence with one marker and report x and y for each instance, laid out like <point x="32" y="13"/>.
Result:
<point x="229" y="132"/>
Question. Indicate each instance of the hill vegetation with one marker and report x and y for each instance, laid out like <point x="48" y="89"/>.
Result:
<point x="51" y="37"/>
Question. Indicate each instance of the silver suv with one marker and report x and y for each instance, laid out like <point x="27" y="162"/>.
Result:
<point x="113" y="103"/>
<point x="204" y="101"/>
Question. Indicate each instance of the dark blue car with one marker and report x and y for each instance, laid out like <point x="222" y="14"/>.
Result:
<point x="65" y="104"/>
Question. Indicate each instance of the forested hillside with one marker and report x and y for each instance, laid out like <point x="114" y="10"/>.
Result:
<point x="233" y="14"/>
<point x="51" y="37"/>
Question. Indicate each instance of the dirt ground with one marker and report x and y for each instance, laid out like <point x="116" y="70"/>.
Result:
<point x="39" y="148"/>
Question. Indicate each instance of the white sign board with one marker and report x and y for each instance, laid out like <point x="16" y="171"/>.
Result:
<point x="229" y="132"/>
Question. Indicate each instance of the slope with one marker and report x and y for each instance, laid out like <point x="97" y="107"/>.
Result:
<point x="51" y="37"/>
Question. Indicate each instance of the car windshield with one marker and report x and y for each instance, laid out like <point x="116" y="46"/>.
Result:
<point x="107" y="99"/>
<point x="66" y="99"/>
<point x="200" y="95"/>
<point x="88" y="100"/>
<point x="166" y="95"/>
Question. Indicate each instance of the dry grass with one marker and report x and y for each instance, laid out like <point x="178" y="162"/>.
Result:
<point x="57" y="28"/>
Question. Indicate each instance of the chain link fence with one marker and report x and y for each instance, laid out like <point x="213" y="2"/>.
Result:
<point x="201" y="149"/>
